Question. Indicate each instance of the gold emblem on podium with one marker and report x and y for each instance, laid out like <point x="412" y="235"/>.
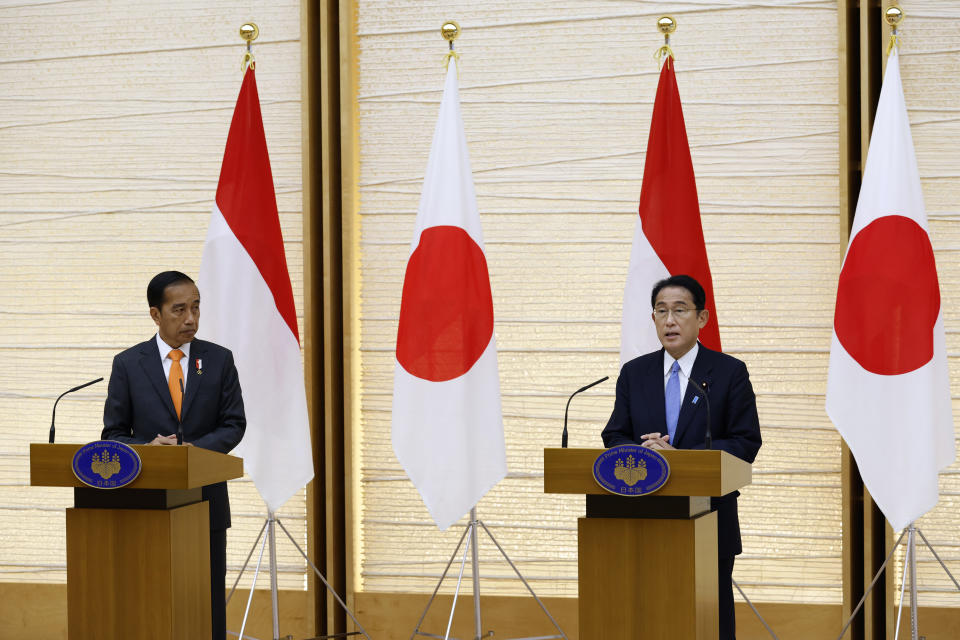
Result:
<point x="630" y="472"/>
<point x="105" y="465"/>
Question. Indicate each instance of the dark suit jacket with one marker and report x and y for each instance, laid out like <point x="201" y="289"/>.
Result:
<point x="139" y="406"/>
<point x="639" y="409"/>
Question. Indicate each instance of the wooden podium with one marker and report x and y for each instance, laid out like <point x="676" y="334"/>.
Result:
<point x="648" y="565"/>
<point x="138" y="558"/>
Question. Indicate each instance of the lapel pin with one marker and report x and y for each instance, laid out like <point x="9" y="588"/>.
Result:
<point x="199" y="363"/>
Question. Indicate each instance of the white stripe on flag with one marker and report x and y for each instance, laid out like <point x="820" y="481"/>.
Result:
<point x="239" y="313"/>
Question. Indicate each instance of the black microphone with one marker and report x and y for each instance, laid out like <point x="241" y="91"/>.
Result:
<point x="53" y="418"/>
<point x="701" y="389"/>
<point x="180" y="415"/>
<point x="563" y="440"/>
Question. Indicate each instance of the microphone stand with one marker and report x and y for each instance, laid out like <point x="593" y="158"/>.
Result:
<point x="701" y="390"/>
<point x="53" y="418"/>
<point x="180" y="415"/>
<point x="563" y="439"/>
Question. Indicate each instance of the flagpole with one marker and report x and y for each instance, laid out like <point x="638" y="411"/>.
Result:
<point x="450" y="31"/>
<point x="249" y="32"/>
<point x="475" y="562"/>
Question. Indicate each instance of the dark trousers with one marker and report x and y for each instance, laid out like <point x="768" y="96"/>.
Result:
<point x="218" y="587"/>
<point x="728" y="620"/>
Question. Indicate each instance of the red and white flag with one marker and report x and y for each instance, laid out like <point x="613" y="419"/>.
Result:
<point x="447" y="423"/>
<point x="888" y="391"/>
<point x="667" y="238"/>
<point x="248" y="308"/>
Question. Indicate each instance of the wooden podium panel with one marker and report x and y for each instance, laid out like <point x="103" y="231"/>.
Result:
<point x="138" y="573"/>
<point x="138" y="557"/>
<point x="648" y="564"/>
<point x="163" y="467"/>
<point x="692" y="472"/>
<point x="638" y="578"/>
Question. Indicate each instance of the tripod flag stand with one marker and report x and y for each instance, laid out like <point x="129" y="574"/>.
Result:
<point x="470" y="534"/>
<point x="270" y="527"/>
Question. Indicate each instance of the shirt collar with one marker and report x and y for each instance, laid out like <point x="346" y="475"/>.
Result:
<point x="165" y="349"/>
<point x="686" y="361"/>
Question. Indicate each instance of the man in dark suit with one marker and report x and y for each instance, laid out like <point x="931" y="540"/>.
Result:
<point x="655" y="408"/>
<point x="173" y="379"/>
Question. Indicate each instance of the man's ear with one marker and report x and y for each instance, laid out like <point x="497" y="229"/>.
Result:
<point x="155" y="314"/>
<point x="702" y="317"/>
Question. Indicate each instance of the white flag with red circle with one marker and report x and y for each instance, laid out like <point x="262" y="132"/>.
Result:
<point x="888" y="391"/>
<point x="447" y="425"/>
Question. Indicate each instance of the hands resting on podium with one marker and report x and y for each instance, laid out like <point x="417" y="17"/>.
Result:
<point x="656" y="441"/>
<point x="171" y="439"/>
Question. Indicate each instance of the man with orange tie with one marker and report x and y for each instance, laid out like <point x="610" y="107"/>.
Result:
<point x="175" y="381"/>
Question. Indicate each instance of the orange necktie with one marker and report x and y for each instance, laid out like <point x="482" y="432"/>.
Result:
<point x="175" y="380"/>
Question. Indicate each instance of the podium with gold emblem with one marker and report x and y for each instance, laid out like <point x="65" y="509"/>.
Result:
<point x="648" y="564"/>
<point x="138" y="557"/>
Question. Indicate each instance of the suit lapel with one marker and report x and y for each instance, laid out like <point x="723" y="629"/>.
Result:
<point x="194" y="377"/>
<point x="702" y="369"/>
<point x="153" y="368"/>
<point x="654" y="399"/>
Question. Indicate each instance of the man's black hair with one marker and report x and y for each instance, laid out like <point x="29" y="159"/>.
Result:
<point x="159" y="284"/>
<point x="684" y="282"/>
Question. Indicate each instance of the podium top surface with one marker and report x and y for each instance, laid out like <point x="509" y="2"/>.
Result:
<point x="693" y="472"/>
<point x="166" y="467"/>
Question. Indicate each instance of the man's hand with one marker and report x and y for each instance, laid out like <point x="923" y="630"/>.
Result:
<point x="171" y="439"/>
<point x="656" y="441"/>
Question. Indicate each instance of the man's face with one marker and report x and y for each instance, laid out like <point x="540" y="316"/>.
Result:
<point x="677" y="320"/>
<point x="178" y="318"/>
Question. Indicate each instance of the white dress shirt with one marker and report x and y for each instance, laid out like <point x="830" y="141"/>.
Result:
<point x="686" y="367"/>
<point x="165" y="350"/>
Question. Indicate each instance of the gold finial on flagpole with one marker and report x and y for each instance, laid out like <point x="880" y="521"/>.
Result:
<point x="893" y="16"/>
<point x="249" y="32"/>
<point x="665" y="25"/>
<point x="450" y="31"/>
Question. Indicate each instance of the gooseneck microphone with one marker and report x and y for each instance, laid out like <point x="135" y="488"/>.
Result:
<point x="701" y="390"/>
<point x="180" y="415"/>
<point x="563" y="440"/>
<point x="53" y="418"/>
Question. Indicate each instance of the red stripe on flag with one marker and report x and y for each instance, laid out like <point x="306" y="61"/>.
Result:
<point x="669" y="209"/>
<point x="247" y="200"/>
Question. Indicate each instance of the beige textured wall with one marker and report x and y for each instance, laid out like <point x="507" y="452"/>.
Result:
<point x="556" y="102"/>
<point x="113" y="120"/>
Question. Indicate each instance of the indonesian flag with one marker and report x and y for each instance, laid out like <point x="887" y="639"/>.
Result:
<point x="447" y="424"/>
<point x="888" y="392"/>
<point x="667" y="237"/>
<point x="248" y="308"/>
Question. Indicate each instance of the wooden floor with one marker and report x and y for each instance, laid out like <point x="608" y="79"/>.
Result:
<point x="40" y="611"/>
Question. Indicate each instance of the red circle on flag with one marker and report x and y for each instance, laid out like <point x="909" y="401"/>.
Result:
<point x="446" y="314"/>
<point x="888" y="297"/>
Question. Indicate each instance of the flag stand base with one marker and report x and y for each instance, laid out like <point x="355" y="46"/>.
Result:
<point x="269" y="526"/>
<point x="910" y="563"/>
<point x="472" y="529"/>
